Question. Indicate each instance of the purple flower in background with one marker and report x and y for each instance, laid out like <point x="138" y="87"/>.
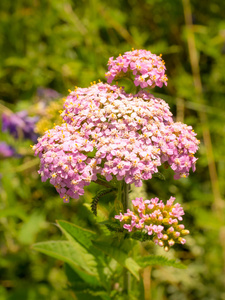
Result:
<point x="20" y="125"/>
<point x="6" y="150"/>
<point x="46" y="93"/>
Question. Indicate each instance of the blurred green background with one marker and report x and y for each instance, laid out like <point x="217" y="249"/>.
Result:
<point x="59" y="44"/>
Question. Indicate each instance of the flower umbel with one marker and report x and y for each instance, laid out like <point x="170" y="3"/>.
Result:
<point x="117" y="135"/>
<point x="148" y="69"/>
<point x="159" y="220"/>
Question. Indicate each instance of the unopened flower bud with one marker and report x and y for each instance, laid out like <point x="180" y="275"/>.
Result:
<point x="161" y="244"/>
<point x="181" y="240"/>
<point x="180" y="227"/>
<point x="166" y="248"/>
<point x="156" y="241"/>
<point x="170" y="230"/>
<point x="175" y="221"/>
<point x="185" y="232"/>
<point x="176" y="234"/>
<point x="171" y="243"/>
<point x="165" y="237"/>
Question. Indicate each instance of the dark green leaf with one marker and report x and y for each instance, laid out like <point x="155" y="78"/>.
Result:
<point x="83" y="262"/>
<point x="159" y="260"/>
<point x="119" y="255"/>
<point x="79" y="234"/>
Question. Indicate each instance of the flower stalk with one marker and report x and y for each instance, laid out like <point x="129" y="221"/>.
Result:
<point x="124" y="196"/>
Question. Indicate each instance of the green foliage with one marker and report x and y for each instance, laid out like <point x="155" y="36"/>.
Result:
<point x="78" y="257"/>
<point x="159" y="175"/>
<point x="97" y="197"/>
<point x="79" y="234"/>
<point x="86" y="266"/>
<point x="155" y="260"/>
<point x="115" y="251"/>
<point x="116" y="227"/>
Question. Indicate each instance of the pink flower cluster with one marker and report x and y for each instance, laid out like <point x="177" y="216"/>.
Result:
<point x="156" y="219"/>
<point x="63" y="162"/>
<point x="116" y="135"/>
<point x="148" y="69"/>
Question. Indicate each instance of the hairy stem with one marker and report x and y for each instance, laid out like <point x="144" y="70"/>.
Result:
<point x="103" y="183"/>
<point x="123" y="195"/>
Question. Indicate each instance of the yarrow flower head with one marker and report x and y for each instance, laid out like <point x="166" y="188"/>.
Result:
<point x="107" y="132"/>
<point x="156" y="219"/>
<point x="117" y="135"/>
<point x="148" y="69"/>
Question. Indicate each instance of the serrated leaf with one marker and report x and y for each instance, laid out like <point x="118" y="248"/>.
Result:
<point x="78" y="285"/>
<point x="140" y="236"/>
<point x="97" y="197"/>
<point x="159" y="260"/>
<point x="159" y="176"/>
<point x="75" y="255"/>
<point x="119" y="255"/>
<point x="112" y="226"/>
<point x="79" y="234"/>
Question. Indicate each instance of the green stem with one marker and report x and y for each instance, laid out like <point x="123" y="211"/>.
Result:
<point x="104" y="183"/>
<point x="123" y="195"/>
<point x="138" y="88"/>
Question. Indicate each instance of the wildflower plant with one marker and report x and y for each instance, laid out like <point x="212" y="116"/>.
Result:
<point x="116" y="139"/>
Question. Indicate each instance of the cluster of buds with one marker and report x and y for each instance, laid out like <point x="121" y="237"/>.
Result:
<point x="148" y="69"/>
<point x="159" y="220"/>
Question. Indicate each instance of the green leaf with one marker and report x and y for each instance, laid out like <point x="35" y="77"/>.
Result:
<point x="112" y="226"/>
<point x="119" y="255"/>
<point x="75" y="255"/>
<point x="159" y="260"/>
<point x="81" y="237"/>
<point x="79" y="234"/>
<point x="159" y="176"/>
<point x="78" y="285"/>
<point x="97" y="197"/>
<point x="140" y="236"/>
